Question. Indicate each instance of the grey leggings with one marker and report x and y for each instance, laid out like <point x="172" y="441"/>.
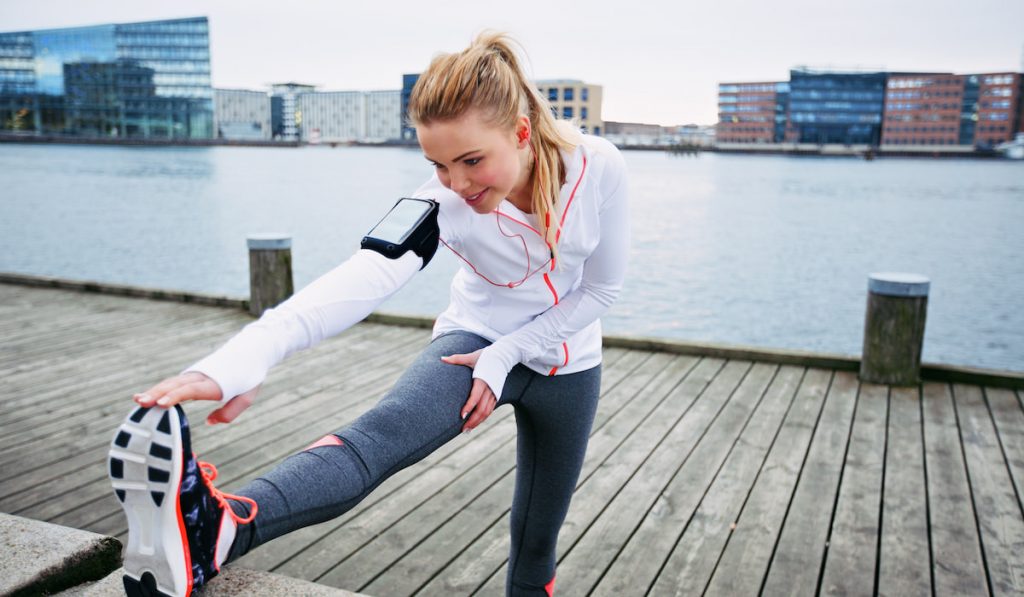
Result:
<point x="420" y="413"/>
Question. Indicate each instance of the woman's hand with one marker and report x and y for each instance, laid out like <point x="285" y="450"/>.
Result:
<point x="482" y="400"/>
<point x="195" y="386"/>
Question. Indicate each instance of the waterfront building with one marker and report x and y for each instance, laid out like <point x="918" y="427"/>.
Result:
<point x="638" y="134"/>
<point x="880" y="108"/>
<point x="331" y="116"/>
<point x="285" y="117"/>
<point x="572" y="99"/>
<point x="998" y="112"/>
<point x="138" y="80"/>
<point x="752" y="112"/>
<point x="692" y="135"/>
<point x="349" y="116"/>
<point x="635" y="134"/>
<point x="979" y="110"/>
<point x="241" y="114"/>
<point x="835" y="107"/>
<point x="925" y="109"/>
<point x="383" y="116"/>
<point x="408" y="131"/>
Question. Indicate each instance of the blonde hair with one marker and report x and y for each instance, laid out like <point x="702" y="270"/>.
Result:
<point x="487" y="77"/>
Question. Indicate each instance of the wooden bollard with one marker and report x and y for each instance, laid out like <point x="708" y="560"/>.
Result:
<point x="894" y="329"/>
<point x="270" y="271"/>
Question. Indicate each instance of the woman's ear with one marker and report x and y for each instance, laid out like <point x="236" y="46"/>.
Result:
<point x="523" y="131"/>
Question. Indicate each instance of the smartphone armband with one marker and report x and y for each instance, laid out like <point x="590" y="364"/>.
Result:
<point x="411" y="225"/>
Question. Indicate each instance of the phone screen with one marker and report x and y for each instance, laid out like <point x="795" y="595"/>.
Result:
<point x="400" y="221"/>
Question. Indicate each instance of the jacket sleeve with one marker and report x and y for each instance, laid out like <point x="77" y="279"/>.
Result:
<point x="329" y="305"/>
<point x="603" y="274"/>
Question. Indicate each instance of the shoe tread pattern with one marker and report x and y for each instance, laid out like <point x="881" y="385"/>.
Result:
<point x="142" y="477"/>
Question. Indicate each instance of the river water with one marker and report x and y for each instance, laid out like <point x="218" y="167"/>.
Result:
<point x="753" y="250"/>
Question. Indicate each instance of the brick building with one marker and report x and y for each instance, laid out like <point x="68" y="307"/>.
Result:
<point x="752" y="112"/>
<point x="980" y="110"/>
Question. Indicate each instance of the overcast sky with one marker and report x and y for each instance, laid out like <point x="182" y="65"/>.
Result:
<point x="659" y="62"/>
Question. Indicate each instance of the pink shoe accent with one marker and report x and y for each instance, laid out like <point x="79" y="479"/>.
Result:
<point x="328" y="440"/>
<point x="550" y="587"/>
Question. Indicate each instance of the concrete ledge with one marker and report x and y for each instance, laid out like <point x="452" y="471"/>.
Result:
<point x="929" y="371"/>
<point x="231" y="582"/>
<point x="42" y="558"/>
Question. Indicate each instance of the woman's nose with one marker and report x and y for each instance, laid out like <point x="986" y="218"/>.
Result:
<point x="459" y="182"/>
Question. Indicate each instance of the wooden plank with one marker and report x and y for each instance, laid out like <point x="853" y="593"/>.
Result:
<point x="744" y="563"/>
<point x="50" y="364"/>
<point x="58" y="372"/>
<point x="41" y="399"/>
<point x="796" y="566"/>
<point x="668" y="554"/>
<point x="584" y="563"/>
<point x="957" y="564"/>
<point x="74" y="335"/>
<point x="995" y="501"/>
<point x="904" y="559"/>
<point x="407" y="574"/>
<point x="852" y="557"/>
<point x="644" y="554"/>
<point x="489" y="483"/>
<point x="483" y="561"/>
<point x="615" y="452"/>
<point x="1009" y="421"/>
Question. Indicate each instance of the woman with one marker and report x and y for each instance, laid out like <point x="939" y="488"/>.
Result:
<point x="537" y="215"/>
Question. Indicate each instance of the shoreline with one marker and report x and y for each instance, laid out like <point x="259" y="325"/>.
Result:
<point x="786" y="149"/>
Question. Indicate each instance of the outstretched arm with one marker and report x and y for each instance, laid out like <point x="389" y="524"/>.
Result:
<point x="329" y="305"/>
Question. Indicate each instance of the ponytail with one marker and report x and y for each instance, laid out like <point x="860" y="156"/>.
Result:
<point x="487" y="76"/>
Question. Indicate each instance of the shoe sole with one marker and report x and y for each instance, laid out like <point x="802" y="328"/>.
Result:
<point x="144" y="465"/>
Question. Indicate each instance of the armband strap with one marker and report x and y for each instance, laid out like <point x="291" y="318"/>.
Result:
<point x="411" y="225"/>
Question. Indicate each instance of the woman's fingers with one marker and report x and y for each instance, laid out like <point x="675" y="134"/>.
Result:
<point x="468" y="359"/>
<point x="180" y="388"/>
<point x="232" y="409"/>
<point x="480" y="405"/>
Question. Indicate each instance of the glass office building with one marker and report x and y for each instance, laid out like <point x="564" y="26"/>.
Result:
<point x="134" y="80"/>
<point x="827" y="107"/>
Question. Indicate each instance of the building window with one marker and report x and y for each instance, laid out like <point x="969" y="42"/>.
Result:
<point x="567" y="94"/>
<point x="552" y="94"/>
<point x="567" y="112"/>
<point x="583" y="113"/>
<point x="584" y="94"/>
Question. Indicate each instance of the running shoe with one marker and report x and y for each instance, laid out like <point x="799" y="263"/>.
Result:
<point x="180" y="527"/>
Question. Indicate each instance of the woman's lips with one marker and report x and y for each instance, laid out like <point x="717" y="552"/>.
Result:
<point x="473" y="199"/>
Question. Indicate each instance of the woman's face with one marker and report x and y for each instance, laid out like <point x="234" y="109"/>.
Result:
<point x="481" y="162"/>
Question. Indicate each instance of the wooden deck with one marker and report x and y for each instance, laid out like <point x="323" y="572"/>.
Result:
<point x="703" y="475"/>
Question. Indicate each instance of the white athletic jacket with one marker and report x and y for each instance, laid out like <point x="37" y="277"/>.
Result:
<point x="506" y="290"/>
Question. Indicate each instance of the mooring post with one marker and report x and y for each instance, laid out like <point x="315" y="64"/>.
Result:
<point x="270" y="271"/>
<point x="894" y="328"/>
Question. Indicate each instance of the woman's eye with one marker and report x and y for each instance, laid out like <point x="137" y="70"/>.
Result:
<point x="437" y="166"/>
<point x="472" y="161"/>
